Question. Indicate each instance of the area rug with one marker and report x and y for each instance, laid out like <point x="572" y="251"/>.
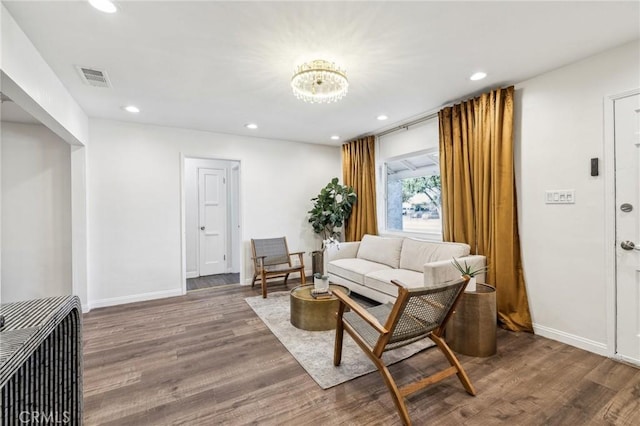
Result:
<point x="314" y="349"/>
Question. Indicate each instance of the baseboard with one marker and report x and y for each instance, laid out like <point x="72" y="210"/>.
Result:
<point x="572" y="339"/>
<point x="134" y="298"/>
<point x="192" y="274"/>
<point x="627" y="360"/>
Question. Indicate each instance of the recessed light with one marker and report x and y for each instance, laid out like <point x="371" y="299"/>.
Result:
<point x="335" y="137"/>
<point x="131" y="108"/>
<point x="251" y="126"/>
<point x="382" y="117"/>
<point x="105" y="6"/>
<point x="478" y="76"/>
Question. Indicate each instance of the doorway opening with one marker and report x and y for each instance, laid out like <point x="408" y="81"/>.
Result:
<point x="627" y="170"/>
<point x="211" y="224"/>
<point x="622" y="123"/>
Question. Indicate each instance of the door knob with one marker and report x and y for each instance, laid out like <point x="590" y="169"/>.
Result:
<point x="202" y="229"/>
<point x="629" y="245"/>
<point x="626" y="207"/>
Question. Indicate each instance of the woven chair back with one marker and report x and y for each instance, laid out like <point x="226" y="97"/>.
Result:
<point x="275" y="250"/>
<point x="425" y="310"/>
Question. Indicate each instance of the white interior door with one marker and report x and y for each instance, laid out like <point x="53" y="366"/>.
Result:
<point x="627" y="157"/>
<point x="212" y="199"/>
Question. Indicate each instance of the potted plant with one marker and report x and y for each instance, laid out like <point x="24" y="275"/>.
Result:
<point x="470" y="272"/>
<point x="472" y="328"/>
<point x="320" y="282"/>
<point x="331" y="208"/>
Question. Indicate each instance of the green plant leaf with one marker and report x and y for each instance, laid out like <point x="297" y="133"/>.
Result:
<point x="331" y="208"/>
<point x="468" y="270"/>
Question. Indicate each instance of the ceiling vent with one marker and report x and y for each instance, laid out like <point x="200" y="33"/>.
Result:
<point x="94" y="77"/>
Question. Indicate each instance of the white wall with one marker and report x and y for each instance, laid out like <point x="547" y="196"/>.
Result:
<point x="134" y="201"/>
<point x="36" y="213"/>
<point x="419" y="137"/>
<point x="29" y="81"/>
<point x="79" y="224"/>
<point x="192" y="213"/>
<point x="559" y="127"/>
<point x="33" y="85"/>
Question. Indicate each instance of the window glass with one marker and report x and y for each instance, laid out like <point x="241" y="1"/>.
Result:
<point x="414" y="194"/>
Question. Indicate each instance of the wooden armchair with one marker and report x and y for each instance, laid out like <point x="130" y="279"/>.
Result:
<point x="416" y="314"/>
<point x="271" y="259"/>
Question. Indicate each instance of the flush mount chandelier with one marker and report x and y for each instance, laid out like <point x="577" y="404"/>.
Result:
<point x="319" y="82"/>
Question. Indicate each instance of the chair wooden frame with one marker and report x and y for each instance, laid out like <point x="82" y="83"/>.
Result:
<point x="386" y="332"/>
<point x="269" y="264"/>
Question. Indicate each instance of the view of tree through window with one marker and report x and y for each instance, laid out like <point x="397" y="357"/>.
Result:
<point x="414" y="195"/>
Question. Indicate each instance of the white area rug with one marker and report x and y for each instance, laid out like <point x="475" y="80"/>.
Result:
<point x="314" y="349"/>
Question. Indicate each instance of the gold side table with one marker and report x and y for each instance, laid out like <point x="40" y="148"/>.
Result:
<point x="471" y="330"/>
<point x="308" y="313"/>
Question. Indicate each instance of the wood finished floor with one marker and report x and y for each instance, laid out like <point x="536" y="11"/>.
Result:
<point x="209" y="281"/>
<point x="207" y="359"/>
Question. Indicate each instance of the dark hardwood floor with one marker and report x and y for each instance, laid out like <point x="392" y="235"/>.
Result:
<point x="207" y="359"/>
<point x="209" y="281"/>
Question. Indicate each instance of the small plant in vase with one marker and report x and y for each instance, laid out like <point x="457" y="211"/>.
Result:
<point x="320" y="282"/>
<point x="470" y="272"/>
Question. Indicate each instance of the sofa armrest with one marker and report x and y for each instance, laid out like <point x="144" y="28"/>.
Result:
<point x="443" y="271"/>
<point x="346" y="250"/>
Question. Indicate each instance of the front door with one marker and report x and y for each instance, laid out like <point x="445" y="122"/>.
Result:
<point x="212" y="199"/>
<point x="627" y="159"/>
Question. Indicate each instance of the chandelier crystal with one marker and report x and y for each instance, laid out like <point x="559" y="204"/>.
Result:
<point x="319" y="82"/>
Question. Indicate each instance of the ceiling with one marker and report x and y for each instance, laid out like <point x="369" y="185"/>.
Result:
<point x="219" y="65"/>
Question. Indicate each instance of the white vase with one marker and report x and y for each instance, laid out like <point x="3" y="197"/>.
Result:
<point x="321" y="284"/>
<point x="471" y="285"/>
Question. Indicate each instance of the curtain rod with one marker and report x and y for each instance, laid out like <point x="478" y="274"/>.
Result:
<point x="406" y="125"/>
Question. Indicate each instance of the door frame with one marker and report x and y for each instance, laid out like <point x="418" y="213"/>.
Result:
<point x="610" y="219"/>
<point x="183" y="225"/>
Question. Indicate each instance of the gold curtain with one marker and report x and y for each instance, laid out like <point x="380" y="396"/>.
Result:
<point x="479" y="195"/>
<point x="359" y="171"/>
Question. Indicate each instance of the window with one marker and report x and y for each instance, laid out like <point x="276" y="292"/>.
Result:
<point x="413" y="193"/>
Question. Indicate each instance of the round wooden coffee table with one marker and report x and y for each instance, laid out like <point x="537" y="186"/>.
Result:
<point x="308" y="313"/>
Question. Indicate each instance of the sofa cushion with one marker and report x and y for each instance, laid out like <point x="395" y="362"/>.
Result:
<point x="380" y="250"/>
<point x="381" y="280"/>
<point x="415" y="253"/>
<point x="354" y="269"/>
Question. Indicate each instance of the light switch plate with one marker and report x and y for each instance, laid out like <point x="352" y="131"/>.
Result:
<point x="560" y="196"/>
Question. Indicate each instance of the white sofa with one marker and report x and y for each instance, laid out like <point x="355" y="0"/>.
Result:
<point x="368" y="266"/>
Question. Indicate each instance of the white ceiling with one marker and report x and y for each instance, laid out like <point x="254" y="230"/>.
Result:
<point x="219" y="65"/>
